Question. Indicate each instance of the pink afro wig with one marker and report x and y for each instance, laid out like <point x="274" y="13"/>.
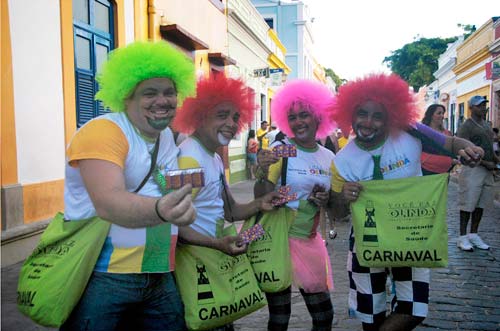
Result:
<point x="312" y="95"/>
<point x="389" y="90"/>
<point x="210" y="92"/>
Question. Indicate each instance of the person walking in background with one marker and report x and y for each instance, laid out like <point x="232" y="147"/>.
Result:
<point x="380" y="108"/>
<point x="476" y="184"/>
<point x="261" y="135"/>
<point x="107" y="160"/>
<point x="299" y="109"/>
<point x="252" y="149"/>
<point x="433" y="163"/>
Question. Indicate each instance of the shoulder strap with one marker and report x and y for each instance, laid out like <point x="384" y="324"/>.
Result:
<point x="154" y="156"/>
<point x="284" y="165"/>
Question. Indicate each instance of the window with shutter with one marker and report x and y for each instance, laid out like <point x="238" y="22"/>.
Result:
<point x="93" y="40"/>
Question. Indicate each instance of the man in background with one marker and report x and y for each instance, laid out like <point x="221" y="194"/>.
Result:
<point x="476" y="184"/>
<point x="261" y="135"/>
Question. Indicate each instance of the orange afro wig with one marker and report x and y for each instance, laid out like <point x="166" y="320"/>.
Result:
<point x="389" y="90"/>
<point x="210" y="92"/>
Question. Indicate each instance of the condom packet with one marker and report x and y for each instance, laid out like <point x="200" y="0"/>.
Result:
<point x="251" y="234"/>
<point x="286" y="196"/>
<point x="285" y="150"/>
<point x="177" y="178"/>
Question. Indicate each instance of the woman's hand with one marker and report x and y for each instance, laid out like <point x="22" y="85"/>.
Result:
<point x="319" y="198"/>
<point x="265" y="158"/>
<point x="231" y="245"/>
<point x="266" y="201"/>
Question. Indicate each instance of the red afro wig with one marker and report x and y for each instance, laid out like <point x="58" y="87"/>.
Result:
<point x="312" y="95"/>
<point x="210" y="92"/>
<point x="389" y="90"/>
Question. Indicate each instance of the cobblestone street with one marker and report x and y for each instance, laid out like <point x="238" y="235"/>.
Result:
<point x="464" y="296"/>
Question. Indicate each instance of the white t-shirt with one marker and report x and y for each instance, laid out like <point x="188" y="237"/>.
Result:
<point x="400" y="158"/>
<point x="207" y="200"/>
<point x="310" y="167"/>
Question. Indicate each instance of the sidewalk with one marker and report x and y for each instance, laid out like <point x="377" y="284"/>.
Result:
<point x="464" y="296"/>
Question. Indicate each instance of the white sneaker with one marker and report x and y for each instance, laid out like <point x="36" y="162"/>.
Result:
<point x="464" y="244"/>
<point x="475" y="240"/>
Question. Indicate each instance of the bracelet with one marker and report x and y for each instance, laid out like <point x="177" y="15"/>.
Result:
<point x="158" y="212"/>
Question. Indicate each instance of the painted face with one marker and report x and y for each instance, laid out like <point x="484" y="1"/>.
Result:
<point x="220" y="127"/>
<point x="370" y="123"/>
<point x="303" y="125"/>
<point x="152" y="106"/>
<point x="438" y="116"/>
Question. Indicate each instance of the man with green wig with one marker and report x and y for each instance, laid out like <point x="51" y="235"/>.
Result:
<point x="112" y="169"/>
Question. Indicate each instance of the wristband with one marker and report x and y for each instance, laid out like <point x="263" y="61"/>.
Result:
<point x="158" y="212"/>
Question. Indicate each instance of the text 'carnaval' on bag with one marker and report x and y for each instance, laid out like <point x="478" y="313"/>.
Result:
<point x="402" y="222"/>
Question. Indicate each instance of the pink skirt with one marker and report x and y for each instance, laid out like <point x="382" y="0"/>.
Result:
<point x="311" y="265"/>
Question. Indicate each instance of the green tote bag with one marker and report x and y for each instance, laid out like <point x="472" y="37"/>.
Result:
<point x="270" y="254"/>
<point x="54" y="276"/>
<point x="216" y="288"/>
<point x="402" y="222"/>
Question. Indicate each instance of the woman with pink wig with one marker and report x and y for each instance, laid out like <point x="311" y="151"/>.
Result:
<point x="299" y="110"/>
<point x="221" y="108"/>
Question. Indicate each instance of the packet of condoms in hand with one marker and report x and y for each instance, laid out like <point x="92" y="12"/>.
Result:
<point x="177" y="178"/>
<point x="253" y="233"/>
<point x="286" y="196"/>
<point x="285" y="150"/>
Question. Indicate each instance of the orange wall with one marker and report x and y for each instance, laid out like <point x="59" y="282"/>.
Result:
<point x="8" y="149"/>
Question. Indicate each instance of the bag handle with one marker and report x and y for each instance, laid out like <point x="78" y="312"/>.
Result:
<point x="153" y="164"/>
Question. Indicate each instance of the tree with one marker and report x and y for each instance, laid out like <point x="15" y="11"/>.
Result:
<point x="336" y="79"/>
<point x="468" y="29"/>
<point x="417" y="61"/>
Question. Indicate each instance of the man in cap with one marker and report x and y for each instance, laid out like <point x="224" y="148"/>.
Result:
<point x="476" y="184"/>
<point x="108" y="174"/>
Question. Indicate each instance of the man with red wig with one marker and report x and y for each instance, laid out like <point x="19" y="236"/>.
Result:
<point x="380" y="109"/>
<point x="221" y="109"/>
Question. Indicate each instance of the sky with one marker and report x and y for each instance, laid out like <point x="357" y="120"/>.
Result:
<point x="353" y="37"/>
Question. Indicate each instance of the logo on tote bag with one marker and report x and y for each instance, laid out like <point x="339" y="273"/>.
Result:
<point x="205" y="294"/>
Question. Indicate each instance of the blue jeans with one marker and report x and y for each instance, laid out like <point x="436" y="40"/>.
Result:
<point x="128" y="302"/>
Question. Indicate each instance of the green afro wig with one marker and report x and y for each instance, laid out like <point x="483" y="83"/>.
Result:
<point x="139" y="61"/>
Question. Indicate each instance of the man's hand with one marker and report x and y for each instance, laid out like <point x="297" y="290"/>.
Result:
<point x="490" y="165"/>
<point x="471" y="156"/>
<point x="231" y="245"/>
<point x="351" y="191"/>
<point x="177" y="207"/>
